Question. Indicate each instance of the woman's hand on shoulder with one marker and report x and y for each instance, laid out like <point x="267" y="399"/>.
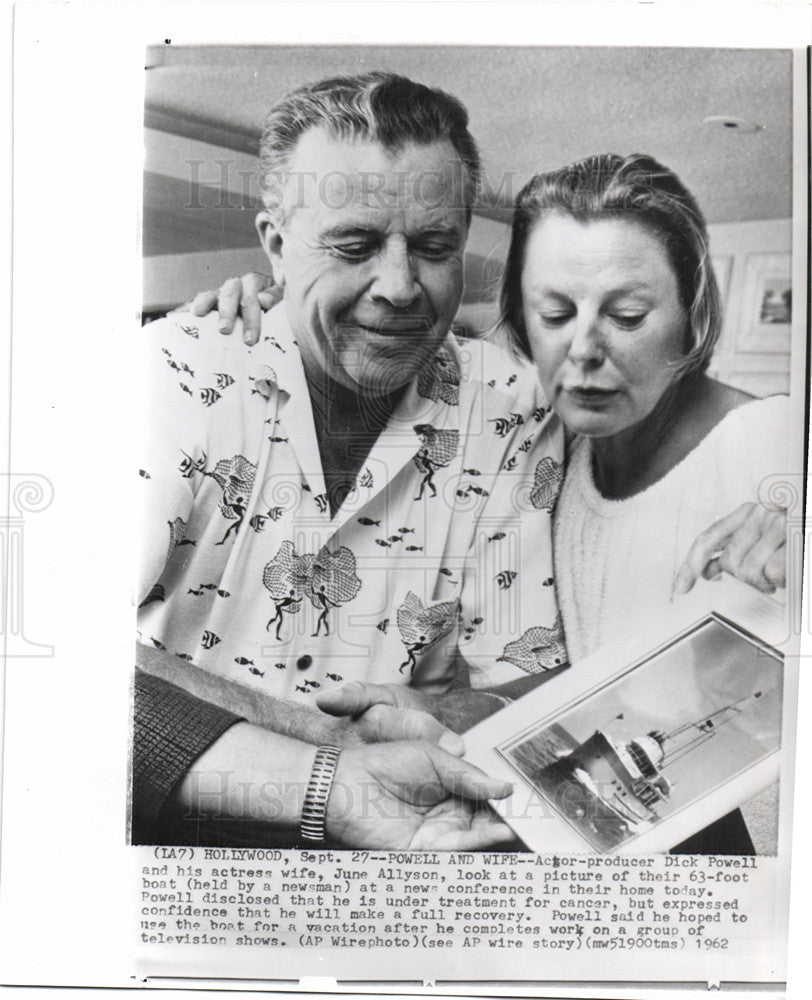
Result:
<point x="750" y="544"/>
<point x="246" y="297"/>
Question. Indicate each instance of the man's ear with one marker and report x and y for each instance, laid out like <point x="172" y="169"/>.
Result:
<point x="271" y="238"/>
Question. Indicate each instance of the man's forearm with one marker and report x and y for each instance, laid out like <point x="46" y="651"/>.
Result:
<point x="248" y="775"/>
<point x="284" y="717"/>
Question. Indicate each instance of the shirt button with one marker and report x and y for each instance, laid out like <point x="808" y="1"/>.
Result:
<point x="304" y="661"/>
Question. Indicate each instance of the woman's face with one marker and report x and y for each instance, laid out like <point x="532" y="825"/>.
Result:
<point x="603" y="318"/>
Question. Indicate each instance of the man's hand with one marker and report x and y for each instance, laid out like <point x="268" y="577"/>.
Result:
<point x="750" y="544"/>
<point x="411" y="794"/>
<point x="250" y="785"/>
<point x="396" y="708"/>
<point x="382" y="712"/>
<point x="247" y="297"/>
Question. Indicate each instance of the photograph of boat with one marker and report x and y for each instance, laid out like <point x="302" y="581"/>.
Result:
<point x="665" y="734"/>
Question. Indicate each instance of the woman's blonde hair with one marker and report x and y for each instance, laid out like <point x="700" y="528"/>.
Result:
<point x="639" y="189"/>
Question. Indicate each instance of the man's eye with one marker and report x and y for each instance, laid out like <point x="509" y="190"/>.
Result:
<point x="628" y="321"/>
<point x="434" y="251"/>
<point x="353" y="251"/>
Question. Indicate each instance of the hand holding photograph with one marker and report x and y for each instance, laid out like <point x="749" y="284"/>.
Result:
<point x="654" y="747"/>
<point x="462" y="465"/>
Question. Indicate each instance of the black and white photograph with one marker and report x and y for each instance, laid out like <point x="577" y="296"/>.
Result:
<point x="463" y="408"/>
<point x="670" y="732"/>
<point x="776" y="302"/>
<point x="767" y="304"/>
<point x="415" y="437"/>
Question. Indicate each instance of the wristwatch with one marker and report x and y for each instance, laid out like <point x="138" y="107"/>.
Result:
<point x="314" y="810"/>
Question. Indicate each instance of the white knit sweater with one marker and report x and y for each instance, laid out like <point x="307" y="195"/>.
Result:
<point x="615" y="560"/>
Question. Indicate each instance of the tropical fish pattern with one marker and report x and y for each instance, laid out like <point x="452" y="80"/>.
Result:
<point x="253" y="577"/>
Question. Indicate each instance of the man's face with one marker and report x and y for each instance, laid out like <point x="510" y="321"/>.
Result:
<point x="370" y="251"/>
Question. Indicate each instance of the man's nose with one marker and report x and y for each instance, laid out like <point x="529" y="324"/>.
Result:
<point x="396" y="278"/>
<point x="586" y="346"/>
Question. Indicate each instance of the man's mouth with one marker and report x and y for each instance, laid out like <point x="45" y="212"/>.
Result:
<point x="415" y="325"/>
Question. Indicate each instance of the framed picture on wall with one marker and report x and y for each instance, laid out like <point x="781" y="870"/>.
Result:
<point x="767" y="304"/>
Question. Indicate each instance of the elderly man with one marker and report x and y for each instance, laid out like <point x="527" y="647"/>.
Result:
<point x="325" y="507"/>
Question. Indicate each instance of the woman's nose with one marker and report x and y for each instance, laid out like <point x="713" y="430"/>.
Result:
<point x="586" y="346"/>
<point x="396" y="279"/>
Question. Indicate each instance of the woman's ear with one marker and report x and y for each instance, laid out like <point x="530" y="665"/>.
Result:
<point x="271" y="238"/>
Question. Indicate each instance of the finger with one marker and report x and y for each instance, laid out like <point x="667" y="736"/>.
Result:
<point x="202" y="304"/>
<point x="251" y="318"/>
<point x="466" y="781"/>
<point x="228" y="302"/>
<point x="381" y="723"/>
<point x="270" y="296"/>
<point x="713" y="570"/>
<point x="750" y="548"/>
<point x="775" y="571"/>
<point x="750" y="568"/>
<point x="483" y="833"/>
<point x="753" y="568"/>
<point x="494" y="831"/>
<point x="354" y="698"/>
<point x="706" y="545"/>
<point x="736" y="550"/>
<point x="252" y="284"/>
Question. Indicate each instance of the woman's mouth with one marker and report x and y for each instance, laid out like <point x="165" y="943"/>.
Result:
<point x="590" y="394"/>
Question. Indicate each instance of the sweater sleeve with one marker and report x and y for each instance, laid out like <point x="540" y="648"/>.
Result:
<point x="171" y="729"/>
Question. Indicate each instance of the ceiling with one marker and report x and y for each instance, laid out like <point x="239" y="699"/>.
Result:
<point x="531" y="109"/>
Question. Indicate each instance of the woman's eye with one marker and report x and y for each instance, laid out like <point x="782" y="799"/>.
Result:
<point x="555" y="318"/>
<point x="628" y="321"/>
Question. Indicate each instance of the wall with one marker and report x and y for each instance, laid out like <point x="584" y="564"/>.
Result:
<point x="170" y="279"/>
<point x="185" y="174"/>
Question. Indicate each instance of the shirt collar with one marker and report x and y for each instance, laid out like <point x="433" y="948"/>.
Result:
<point x="429" y="405"/>
<point x="431" y="398"/>
<point x="276" y="359"/>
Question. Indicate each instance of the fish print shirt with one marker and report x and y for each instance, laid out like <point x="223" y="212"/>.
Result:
<point x="443" y="544"/>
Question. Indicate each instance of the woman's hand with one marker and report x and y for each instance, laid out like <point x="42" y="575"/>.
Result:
<point x="412" y="794"/>
<point x="247" y="297"/>
<point x="750" y="544"/>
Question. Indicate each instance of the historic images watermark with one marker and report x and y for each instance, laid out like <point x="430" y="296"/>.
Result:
<point x="789" y="492"/>
<point x="27" y="493"/>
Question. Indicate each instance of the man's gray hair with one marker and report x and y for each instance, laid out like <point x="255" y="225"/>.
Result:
<point x="383" y="107"/>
